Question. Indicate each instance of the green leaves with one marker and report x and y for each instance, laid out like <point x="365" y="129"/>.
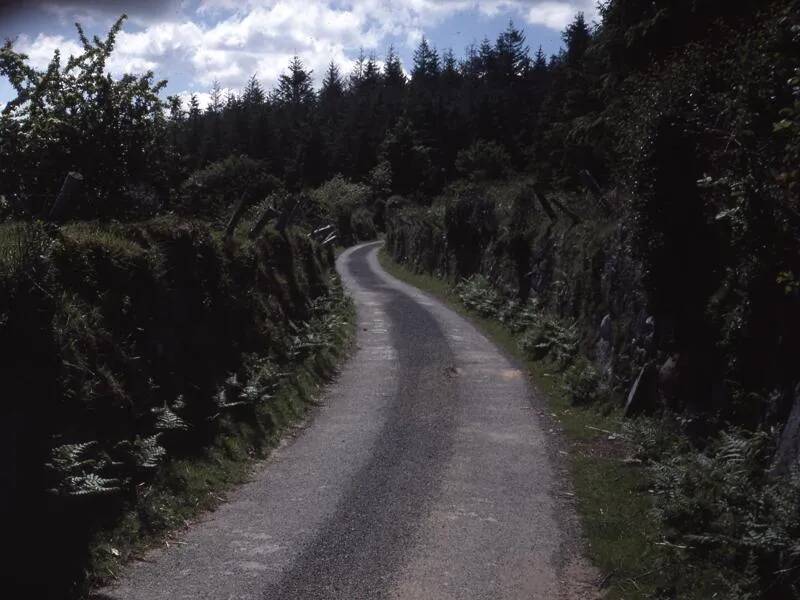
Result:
<point x="76" y="117"/>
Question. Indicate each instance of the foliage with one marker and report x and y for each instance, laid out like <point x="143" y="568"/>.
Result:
<point x="76" y="117"/>
<point x="550" y="337"/>
<point x="731" y="526"/>
<point x="138" y="345"/>
<point x="346" y="206"/>
<point x="583" y="384"/>
<point x="483" y="160"/>
<point x="212" y="191"/>
<point x="476" y="293"/>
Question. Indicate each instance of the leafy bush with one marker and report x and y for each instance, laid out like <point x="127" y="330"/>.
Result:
<point x="134" y="346"/>
<point x="552" y="338"/>
<point x="583" y="385"/>
<point x="76" y="117"/>
<point x="731" y="526"/>
<point x="483" y="160"/>
<point x="347" y="206"/>
<point x="212" y="191"/>
<point x="476" y="293"/>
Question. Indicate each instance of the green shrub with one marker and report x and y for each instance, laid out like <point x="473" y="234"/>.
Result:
<point x="583" y="385"/>
<point x="483" y="160"/>
<point x="74" y="116"/>
<point x="212" y="191"/>
<point x="731" y="526"/>
<point x="135" y="346"/>
<point x="476" y="293"/>
<point x="347" y="206"/>
<point x="551" y="338"/>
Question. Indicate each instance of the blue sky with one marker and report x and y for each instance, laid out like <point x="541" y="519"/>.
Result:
<point x="194" y="42"/>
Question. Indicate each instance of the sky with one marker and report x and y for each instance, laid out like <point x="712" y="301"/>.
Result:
<point x="193" y="43"/>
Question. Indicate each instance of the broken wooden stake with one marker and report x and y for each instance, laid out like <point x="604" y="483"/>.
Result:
<point x="545" y="205"/>
<point x="238" y="211"/>
<point x="590" y="183"/>
<point x="286" y="216"/>
<point x="69" y="189"/>
<point x="268" y="213"/>
<point x="573" y="217"/>
<point x="317" y="233"/>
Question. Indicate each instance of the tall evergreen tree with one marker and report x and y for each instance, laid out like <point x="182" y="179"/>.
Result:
<point x="577" y="37"/>
<point x="393" y="75"/>
<point x="295" y="87"/>
<point x="253" y="94"/>
<point x="332" y="85"/>
<point x="450" y="70"/>
<point x="486" y="56"/>
<point x="426" y="62"/>
<point x="357" y="72"/>
<point x="539" y="61"/>
<point x="511" y="53"/>
<point x="215" y="102"/>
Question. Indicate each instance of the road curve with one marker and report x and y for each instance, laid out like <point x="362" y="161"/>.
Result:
<point x="425" y="474"/>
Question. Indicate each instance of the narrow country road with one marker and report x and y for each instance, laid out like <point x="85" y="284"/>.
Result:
<point x="425" y="474"/>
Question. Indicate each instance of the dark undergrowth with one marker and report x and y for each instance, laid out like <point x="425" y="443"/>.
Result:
<point x="610" y="490"/>
<point x="662" y="516"/>
<point x="145" y="365"/>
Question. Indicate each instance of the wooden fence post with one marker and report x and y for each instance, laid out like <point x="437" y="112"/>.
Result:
<point x="238" y="211"/>
<point x="69" y="189"/>
<point x="268" y="213"/>
<point x="594" y="188"/>
<point x="573" y="217"/>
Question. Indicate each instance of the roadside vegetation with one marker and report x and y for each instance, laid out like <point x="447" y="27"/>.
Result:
<point x="151" y="361"/>
<point x="644" y="261"/>
<point x="610" y="487"/>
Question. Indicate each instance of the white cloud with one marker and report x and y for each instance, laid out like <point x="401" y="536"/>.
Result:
<point x="230" y="40"/>
<point x="555" y="15"/>
<point x="204" y="98"/>
<point x="41" y="48"/>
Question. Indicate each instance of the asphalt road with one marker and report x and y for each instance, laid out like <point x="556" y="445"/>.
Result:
<point x="427" y="473"/>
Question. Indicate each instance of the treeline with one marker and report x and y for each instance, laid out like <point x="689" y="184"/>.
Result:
<point x="401" y="134"/>
<point x="498" y="107"/>
<point x="374" y="124"/>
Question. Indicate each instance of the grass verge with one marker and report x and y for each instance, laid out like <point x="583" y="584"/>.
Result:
<point x="612" y="497"/>
<point x="185" y="488"/>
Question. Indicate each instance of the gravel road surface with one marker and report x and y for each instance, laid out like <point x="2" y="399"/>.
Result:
<point x="427" y="473"/>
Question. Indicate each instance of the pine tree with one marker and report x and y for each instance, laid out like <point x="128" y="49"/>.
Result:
<point x="487" y="57"/>
<point x="331" y="108"/>
<point x="511" y="53"/>
<point x="368" y="77"/>
<point x="426" y="62"/>
<point x="539" y="61"/>
<point x="394" y="85"/>
<point x="253" y="94"/>
<point x="393" y="75"/>
<point x="332" y="85"/>
<point x="577" y="37"/>
<point x="215" y="101"/>
<point x="176" y="121"/>
<point x="357" y="72"/>
<point x="450" y="71"/>
<point x="295" y="88"/>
